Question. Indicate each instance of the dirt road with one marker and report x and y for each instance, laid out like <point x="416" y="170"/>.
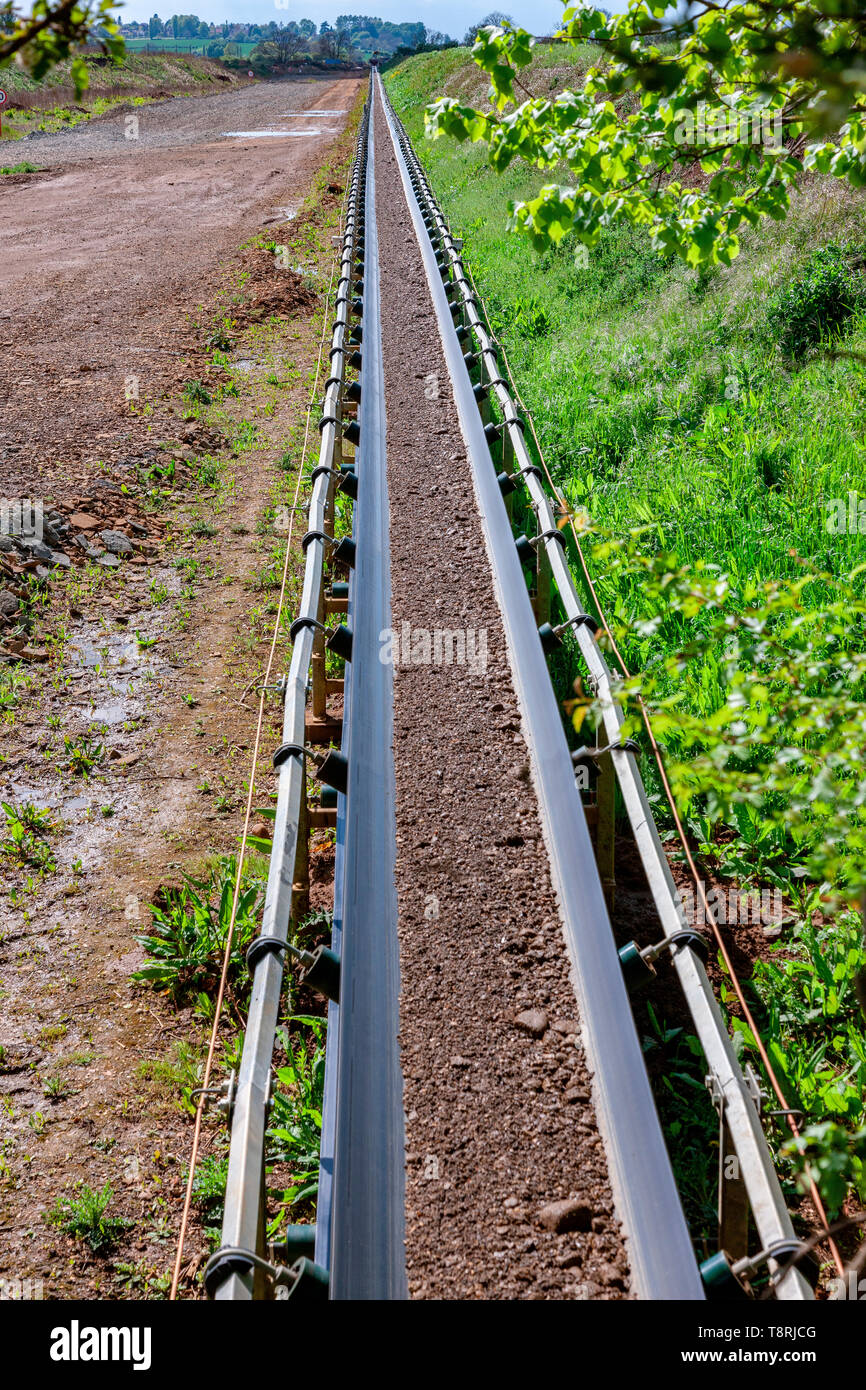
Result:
<point x="123" y="672"/>
<point x="104" y="255"/>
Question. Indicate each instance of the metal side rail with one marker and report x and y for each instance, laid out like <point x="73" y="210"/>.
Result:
<point x="735" y="1098"/>
<point x="659" y="1245"/>
<point x="235" y="1271"/>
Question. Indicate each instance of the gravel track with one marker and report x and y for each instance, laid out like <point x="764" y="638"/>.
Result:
<point x="110" y="255"/>
<point x="507" y="1187"/>
<point x="189" y="120"/>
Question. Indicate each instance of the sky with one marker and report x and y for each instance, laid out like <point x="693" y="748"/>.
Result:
<point x="451" y="16"/>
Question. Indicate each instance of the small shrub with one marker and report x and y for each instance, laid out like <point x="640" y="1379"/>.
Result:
<point x="816" y="304"/>
<point x="83" y="754"/>
<point x="196" y="391"/>
<point x="84" y="1217"/>
<point x="189" y="929"/>
<point x="25" y="841"/>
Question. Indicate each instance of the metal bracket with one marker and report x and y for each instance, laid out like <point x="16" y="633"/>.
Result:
<point x="279" y="685"/>
<point x="290" y="750"/>
<point x="232" y="1259"/>
<point x="316" y="536"/>
<point x="717" y="1095"/>
<point x="263" y="946"/>
<point x="685" y="935"/>
<point x="628" y="745"/>
<point x="553" y="534"/>
<point x="226" y="1091"/>
<point x="754" y="1086"/>
<point x="582" y="620"/>
<point x="780" y="1250"/>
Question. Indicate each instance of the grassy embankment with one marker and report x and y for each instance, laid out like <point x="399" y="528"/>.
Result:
<point x="702" y="408"/>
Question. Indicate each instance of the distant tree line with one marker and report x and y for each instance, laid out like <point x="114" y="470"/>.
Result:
<point x="298" y="41"/>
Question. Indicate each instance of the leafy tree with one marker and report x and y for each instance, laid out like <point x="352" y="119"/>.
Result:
<point x="333" y="43"/>
<point x="154" y="26"/>
<point x="753" y="94"/>
<point x="52" y="32"/>
<point x="284" y="45"/>
<point x="290" y="43"/>
<point x="496" y="19"/>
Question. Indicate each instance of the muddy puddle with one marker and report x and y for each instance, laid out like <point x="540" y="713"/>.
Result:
<point x="74" y="763"/>
<point x="264" y="134"/>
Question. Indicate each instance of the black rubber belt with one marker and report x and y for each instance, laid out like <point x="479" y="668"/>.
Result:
<point x="367" y="1218"/>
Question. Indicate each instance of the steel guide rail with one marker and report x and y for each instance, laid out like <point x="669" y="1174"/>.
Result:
<point x="235" y="1271"/>
<point x="732" y="1093"/>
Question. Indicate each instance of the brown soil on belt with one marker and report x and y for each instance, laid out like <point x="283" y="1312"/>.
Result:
<point x="499" y="1122"/>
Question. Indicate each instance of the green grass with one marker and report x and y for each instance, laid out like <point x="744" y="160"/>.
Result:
<point x="136" y="68"/>
<point x="25" y="167"/>
<point x="172" y="1079"/>
<point x="21" y="122"/>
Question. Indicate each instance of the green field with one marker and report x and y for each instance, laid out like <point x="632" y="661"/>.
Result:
<point x="163" y="45"/>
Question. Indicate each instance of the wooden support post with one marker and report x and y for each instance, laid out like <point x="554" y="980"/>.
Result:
<point x="508" y="467"/>
<point x="301" y="876"/>
<point x="319" y="726"/>
<point x="605" y="789"/>
<point x="733" y="1197"/>
<point x="541" y="603"/>
<point x="317" y="667"/>
<point x="484" y="407"/>
<point x="337" y="457"/>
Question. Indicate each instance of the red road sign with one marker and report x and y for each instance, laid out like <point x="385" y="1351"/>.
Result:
<point x="3" y="97"/>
